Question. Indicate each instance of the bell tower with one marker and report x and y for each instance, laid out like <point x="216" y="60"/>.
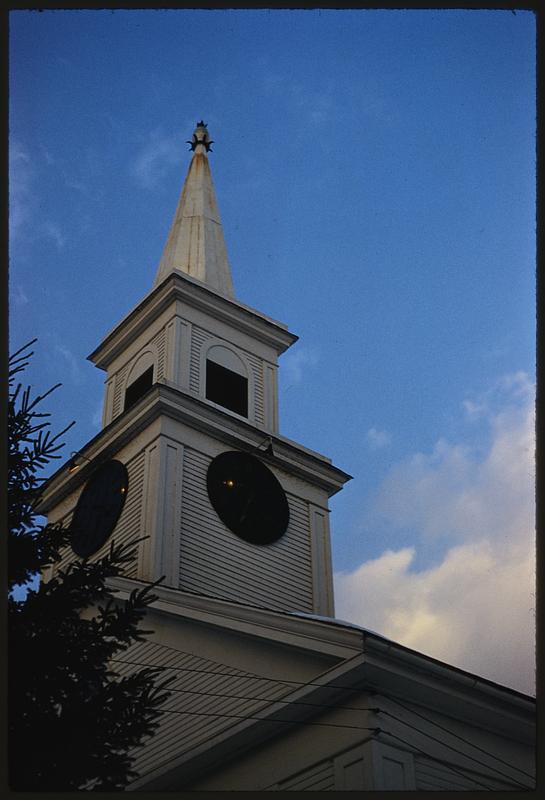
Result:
<point x="231" y="509"/>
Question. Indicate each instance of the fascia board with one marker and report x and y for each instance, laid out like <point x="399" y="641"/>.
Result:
<point x="281" y="628"/>
<point x="380" y="667"/>
<point x="179" y="287"/>
<point x="199" y="415"/>
<point x="306" y="464"/>
<point x="416" y="678"/>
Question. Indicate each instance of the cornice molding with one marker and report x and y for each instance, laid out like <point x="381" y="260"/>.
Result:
<point x="371" y="663"/>
<point x="201" y="416"/>
<point x="180" y="287"/>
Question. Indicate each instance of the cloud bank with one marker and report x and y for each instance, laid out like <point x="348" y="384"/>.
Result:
<point x="474" y="609"/>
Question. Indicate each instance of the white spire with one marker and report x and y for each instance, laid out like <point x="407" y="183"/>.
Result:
<point x="195" y="243"/>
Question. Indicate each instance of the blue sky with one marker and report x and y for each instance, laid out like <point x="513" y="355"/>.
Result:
<point x="375" y="172"/>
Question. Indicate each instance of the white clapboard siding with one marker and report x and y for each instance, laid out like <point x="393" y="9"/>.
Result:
<point x="128" y="528"/>
<point x="214" y="561"/>
<point x="207" y="697"/>
<point x="318" y="778"/>
<point x="434" y="776"/>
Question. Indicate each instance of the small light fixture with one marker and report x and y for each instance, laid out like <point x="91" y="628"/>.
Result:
<point x="77" y="460"/>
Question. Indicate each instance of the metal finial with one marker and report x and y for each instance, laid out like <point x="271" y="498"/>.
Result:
<point x="204" y="140"/>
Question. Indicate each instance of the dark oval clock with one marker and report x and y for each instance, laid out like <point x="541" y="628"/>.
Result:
<point x="247" y="497"/>
<point x="99" y="507"/>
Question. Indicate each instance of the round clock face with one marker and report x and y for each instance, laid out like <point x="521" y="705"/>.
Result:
<point x="247" y="497"/>
<point x="99" y="507"/>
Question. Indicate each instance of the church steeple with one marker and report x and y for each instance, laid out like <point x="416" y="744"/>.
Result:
<point x="195" y="243"/>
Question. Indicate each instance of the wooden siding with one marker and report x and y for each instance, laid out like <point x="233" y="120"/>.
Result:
<point x="198" y="338"/>
<point x="160" y="343"/>
<point x="319" y="778"/>
<point x="128" y="527"/>
<point x="259" y="404"/>
<point x="434" y="776"/>
<point x="207" y="697"/>
<point x="119" y="385"/>
<point x="214" y="561"/>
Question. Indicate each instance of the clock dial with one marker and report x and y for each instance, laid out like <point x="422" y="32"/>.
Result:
<point x="247" y="497"/>
<point x="99" y="507"/>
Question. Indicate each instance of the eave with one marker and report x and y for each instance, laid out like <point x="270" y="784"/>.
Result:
<point x="199" y="415"/>
<point x="181" y="287"/>
<point x="370" y="663"/>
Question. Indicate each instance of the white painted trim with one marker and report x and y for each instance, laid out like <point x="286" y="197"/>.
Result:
<point x="170" y="510"/>
<point x="108" y="408"/>
<point x="161" y="511"/>
<point x="322" y="579"/>
<point x="350" y="780"/>
<point x="381" y="753"/>
<point x="146" y="551"/>
<point x="178" y="352"/>
<point x="270" y="396"/>
<point x="180" y="287"/>
<point x="133" y="373"/>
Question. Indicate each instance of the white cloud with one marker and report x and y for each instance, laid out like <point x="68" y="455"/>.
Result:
<point x="18" y="296"/>
<point x="54" y="232"/>
<point x="154" y="160"/>
<point x="376" y="439"/>
<point x="72" y="362"/>
<point x="96" y="419"/>
<point x="295" y="363"/>
<point x="474" y="609"/>
<point x="20" y="178"/>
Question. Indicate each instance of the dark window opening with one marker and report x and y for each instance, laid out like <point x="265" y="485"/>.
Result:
<point x="227" y="388"/>
<point x="138" y="387"/>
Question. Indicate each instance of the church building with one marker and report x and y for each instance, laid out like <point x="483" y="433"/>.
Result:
<point x="271" y="691"/>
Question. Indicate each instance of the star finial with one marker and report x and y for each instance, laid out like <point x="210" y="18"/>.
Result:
<point x="200" y="136"/>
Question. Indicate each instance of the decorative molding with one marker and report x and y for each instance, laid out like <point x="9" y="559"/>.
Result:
<point x="270" y="397"/>
<point x="199" y="415"/>
<point x="353" y="770"/>
<point x="392" y="768"/>
<point x="178" y="352"/>
<point x="107" y="412"/>
<point x="321" y="562"/>
<point x="161" y="511"/>
<point x="178" y="286"/>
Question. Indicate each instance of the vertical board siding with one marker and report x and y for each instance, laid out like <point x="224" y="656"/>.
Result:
<point x="214" y="561"/>
<point x="319" y="778"/>
<point x="207" y="698"/>
<point x="128" y="526"/>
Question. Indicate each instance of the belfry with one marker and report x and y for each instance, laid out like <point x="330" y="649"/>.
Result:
<point x="271" y="691"/>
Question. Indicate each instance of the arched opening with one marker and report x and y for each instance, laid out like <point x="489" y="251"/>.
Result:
<point x="226" y="380"/>
<point x="140" y="379"/>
